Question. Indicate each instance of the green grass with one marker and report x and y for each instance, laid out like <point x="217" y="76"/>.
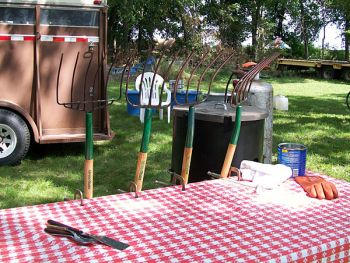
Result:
<point x="317" y="118"/>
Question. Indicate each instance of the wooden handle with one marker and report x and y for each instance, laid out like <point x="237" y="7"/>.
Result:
<point x="228" y="160"/>
<point x="55" y="231"/>
<point x="186" y="163"/>
<point x="88" y="178"/>
<point x="140" y="170"/>
<point x="51" y="222"/>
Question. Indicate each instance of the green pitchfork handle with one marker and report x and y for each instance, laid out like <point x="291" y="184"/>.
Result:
<point x="232" y="146"/>
<point x="89" y="156"/>
<point x="186" y="160"/>
<point x="142" y="155"/>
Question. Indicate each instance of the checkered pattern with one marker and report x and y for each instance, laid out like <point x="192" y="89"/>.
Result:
<point x="212" y="221"/>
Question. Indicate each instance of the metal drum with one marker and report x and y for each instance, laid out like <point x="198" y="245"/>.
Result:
<point x="214" y="123"/>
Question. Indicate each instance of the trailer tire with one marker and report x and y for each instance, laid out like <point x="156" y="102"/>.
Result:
<point x="328" y="73"/>
<point x="14" y="138"/>
<point x="346" y="74"/>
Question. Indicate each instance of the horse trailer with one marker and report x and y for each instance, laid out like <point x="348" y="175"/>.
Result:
<point x="34" y="36"/>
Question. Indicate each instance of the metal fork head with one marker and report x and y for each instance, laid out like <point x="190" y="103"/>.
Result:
<point x="89" y="99"/>
<point x="203" y="66"/>
<point x="152" y="85"/>
<point x="241" y="89"/>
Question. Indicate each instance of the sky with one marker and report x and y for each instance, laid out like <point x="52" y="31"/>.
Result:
<point x="333" y="37"/>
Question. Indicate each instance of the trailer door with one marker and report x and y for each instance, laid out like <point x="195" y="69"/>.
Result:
<point x="16" y="55"/>
<point x="16" y="79"/>
<point x="75" y="34"/>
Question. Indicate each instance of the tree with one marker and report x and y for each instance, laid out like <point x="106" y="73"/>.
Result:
<point x="228" y="19"/>
<point x="342" y="17"/>
<point x="138" y="21"/>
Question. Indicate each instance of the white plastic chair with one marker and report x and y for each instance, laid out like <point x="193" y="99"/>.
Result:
<point x="146" y="90"/>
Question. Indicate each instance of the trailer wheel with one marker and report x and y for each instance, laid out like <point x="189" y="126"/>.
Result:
<point x="328" y="73"/>
<point x="346" y="74"/>
<point x="14" y="138"/>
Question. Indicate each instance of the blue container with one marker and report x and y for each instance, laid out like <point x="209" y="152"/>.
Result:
<point x="293" y="155"/>
<point x="181" y="96"/>
<point x="133" y="96"/>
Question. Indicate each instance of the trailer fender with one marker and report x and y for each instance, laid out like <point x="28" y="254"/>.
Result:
<point x="21" y="112"/>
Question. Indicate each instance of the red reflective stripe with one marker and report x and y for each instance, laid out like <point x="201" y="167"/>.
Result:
<point x="28" y="38"/>
<point x="5" y="37"/>
<point x="58" y="39"/>
<point x="82" y="39"/>
<point x="68" y="39"/>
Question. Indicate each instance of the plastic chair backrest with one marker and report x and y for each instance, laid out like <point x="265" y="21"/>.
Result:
<point x="146" y="89"/>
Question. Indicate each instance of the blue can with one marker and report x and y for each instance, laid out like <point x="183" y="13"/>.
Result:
<point x="293" y="155"/>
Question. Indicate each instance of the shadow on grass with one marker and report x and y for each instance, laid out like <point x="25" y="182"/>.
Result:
<point x="40" y="151"/>
<point x="332" y="104"/>
<point x="325" y="124"/>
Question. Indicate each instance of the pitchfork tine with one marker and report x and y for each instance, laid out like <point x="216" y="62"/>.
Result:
<point x="166" y="76"/>
<point x="58" y="80"/>
<point x="153" y="79"/>
<point x="122" y="76"/>
<point x="261" y="65"/>
<point x="241" y="90"/>
<point x="273" y="57"/>
<point x="218" y="69"/>
<point x="193" y="71"/>
<point x="72" y="85"/>
<point x="127" y="80"/>
<point x="205" y="71"/>
<point x="143" y="73"/>
<point x="180" y="73"/>
<point x="85" y="78"/>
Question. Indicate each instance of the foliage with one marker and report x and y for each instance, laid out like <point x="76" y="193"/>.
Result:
<point x="341" y="15"/>
<point x="229" y="17"/>
<point x="194" y="23"/>
<point x="139" y="21"/>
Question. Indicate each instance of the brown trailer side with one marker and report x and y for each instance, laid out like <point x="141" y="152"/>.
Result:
<point x="32" y="38"/>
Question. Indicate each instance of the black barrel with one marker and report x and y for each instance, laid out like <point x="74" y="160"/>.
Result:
<point x="214" y="123"/>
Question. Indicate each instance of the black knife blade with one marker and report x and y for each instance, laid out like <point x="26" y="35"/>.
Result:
<point x="110" y="242"/>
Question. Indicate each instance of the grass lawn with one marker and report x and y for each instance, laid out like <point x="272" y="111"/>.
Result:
<point x="317" y="118"/>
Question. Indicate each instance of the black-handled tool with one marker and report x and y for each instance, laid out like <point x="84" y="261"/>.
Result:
<point x="54" y="225"/>
<point x="70" y="234"/>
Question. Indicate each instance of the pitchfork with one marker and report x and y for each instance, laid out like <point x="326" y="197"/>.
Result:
<point x="222" y="57"/>
<point x="88" y="105"/>
<point x="238" y="96"/>
<point x="158" y="104"/>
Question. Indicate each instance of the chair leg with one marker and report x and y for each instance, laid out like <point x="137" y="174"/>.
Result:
<point x="142" y="115"/>
<point x="169" y="111"/>
<point x="161" y="114"/>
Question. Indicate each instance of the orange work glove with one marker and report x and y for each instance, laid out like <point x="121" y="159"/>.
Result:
<point x="317" y="187"/>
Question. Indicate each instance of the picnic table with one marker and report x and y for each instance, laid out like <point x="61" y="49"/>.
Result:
<point x="212" y="221"/>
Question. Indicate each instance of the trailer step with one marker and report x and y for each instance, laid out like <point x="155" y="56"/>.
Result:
<point x="66" y="138"/>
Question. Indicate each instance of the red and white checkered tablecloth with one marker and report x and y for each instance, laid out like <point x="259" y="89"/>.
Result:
<point x="212" y="221"/>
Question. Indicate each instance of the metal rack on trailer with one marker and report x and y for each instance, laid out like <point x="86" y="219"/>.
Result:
<point x="33" y="35"/>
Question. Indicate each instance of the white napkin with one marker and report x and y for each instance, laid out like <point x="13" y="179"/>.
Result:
<point x="264" y="176"/>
